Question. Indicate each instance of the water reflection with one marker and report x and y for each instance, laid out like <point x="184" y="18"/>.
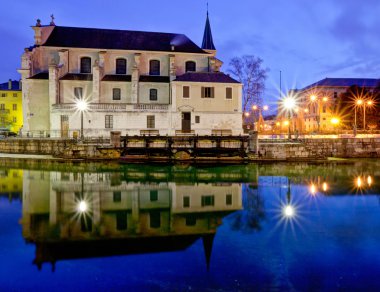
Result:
<point x="79" y="215"/>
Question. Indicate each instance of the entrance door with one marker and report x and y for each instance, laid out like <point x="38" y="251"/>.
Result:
<point x="64" y="126"/>
<point x="186" y="122"/>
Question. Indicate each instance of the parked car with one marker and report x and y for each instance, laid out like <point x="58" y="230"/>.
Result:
<point x="7" y="133"/>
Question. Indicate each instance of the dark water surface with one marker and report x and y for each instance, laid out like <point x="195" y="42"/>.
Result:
<point x="276" y="227"/>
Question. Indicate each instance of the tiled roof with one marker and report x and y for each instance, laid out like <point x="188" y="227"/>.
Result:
<point x="345" y="82"/>
<point x="41" y="75"/>
<point x="216" y="77"/>
<point x="95" y="38"/>
<point x="77" y="76"/>
<point x="15" y="85"/>
<point x="117" y="77"/>
<point x="150" y="78"/>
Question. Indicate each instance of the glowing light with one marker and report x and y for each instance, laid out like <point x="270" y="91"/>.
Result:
<point x="335" y="121"/>
<point x="359" y="182"/>
<point x="313" y="189"/>
<point x="313" y="97"/>
<point x="289" y="211"/>
<point x="246" y="114"/>
<point x="278" y="123"/>
<point x="359" y="102"/>
<point x="265" y="107"/>
<point x="289" y="103"/>
<point x="81" y="105"/>
<point x="306" y="110"/>
<point x="254" y="107"/>
<point x="286" y="123"/>
<point x="369" y="180"/>
<point x="325" y="99"/>
<point x="370" y="102"/>
<point x="296" y="110"/>
<point x="324" y="186"/>
<point x="82" y="207"/>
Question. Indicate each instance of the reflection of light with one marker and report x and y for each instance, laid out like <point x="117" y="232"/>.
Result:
<point x="369" y="180"/>
<point x="288" y="211"/>
<point x="324" y="186"/>
<point x="313" y="189"/>
<point x="359" y="182"/>
<point x="82" y="206"/>
<point x="286" y="123"/>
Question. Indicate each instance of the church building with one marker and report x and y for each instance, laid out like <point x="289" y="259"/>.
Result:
<point x="93" y="81"/>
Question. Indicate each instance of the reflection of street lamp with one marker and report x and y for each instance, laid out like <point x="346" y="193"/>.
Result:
<point x="82" y="106"/>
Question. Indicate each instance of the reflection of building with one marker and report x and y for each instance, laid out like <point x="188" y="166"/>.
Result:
<point x="317" y="102"/>
<point x="133" y="81"/>
<point x="11" y="106"/>
<point x="11" y="183"/>
<point x="119" y="217"/>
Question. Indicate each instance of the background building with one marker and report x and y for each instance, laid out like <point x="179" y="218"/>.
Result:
<point x="11" y="106"/>
<point x="128" y="81"/>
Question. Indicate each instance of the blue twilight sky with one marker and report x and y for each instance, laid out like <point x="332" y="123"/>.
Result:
<point x="306" y="40"/>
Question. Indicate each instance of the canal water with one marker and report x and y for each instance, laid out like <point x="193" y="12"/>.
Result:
<point x="255" y="227"/>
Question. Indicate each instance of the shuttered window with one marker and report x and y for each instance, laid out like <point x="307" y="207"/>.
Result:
<point x="150" y="123"/>
<point x="116" y="94"/>
<point x="186" y="92"/>
<point x="207" y="92"/>
<point x="228" y="93"/>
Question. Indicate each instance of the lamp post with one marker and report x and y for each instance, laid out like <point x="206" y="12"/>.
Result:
<point x="289" y="104"/>
<point x="82" y="106"/>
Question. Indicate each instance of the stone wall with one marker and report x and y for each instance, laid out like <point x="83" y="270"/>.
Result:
<point x="321" y="149"/>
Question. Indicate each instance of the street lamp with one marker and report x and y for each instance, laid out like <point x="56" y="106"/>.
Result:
<point x="82" y="106"/>
<point x="289" y="104"/>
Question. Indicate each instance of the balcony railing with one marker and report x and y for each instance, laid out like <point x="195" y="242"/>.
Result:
<point x="113" y="107"/>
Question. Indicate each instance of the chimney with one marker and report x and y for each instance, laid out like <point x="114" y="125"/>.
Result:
<point x="10" y="84"/>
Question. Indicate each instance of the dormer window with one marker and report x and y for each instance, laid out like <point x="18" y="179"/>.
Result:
<point x="121" y="66"/>
<point x="85" y="65"/>
<point x="154" y="67"/>
<point x="190" y="66"/>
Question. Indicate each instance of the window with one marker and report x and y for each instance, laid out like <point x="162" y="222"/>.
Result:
<point x="154" y="67"/>
<point x="78" y="92"/>
<point x="109" y="121"/>
<point x="153" y="94"/>
<point x="117" y="197"/>
<point x="14" y="94"/>
<point x="186" y="201"/>
<point x="228" y="93"/>
<point x="121" y="66"/>
<point x="121" y="220"/>
<point x="207" y="201"/>
<point x="153" y="195"/>
<point x="324" y="108"/>
<point x="116" y="93"/>
<point x="2" y="106"/>
<point x="229" y="199"/>
<point x="155" y="219"/>
<point x="150" y="123"/>
<point x="85" y="65"/>
<point x="3" y="95"/>
<point x="335" y="94"/>
<point x="190" y="66"/>
<point x="14" y="107"/>
<point x="191" y="220"/>
<point x="207" y="92"/>
<point x="186" y="92"/>
<point x="15" y="119"/>
<point x="197" y="119"/>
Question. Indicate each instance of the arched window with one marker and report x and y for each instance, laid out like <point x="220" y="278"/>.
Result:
<point x="121" y="66"/>
<point x="190" y="66"/>
<point x="85" y="65"/>
<point x="154" y="67"/>
<point x="153" y="94"/>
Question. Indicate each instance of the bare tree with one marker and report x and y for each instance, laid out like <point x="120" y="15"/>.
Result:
<point x="248" y="70"/>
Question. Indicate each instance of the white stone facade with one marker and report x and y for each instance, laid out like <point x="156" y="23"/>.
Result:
<point x="52" y="75"/>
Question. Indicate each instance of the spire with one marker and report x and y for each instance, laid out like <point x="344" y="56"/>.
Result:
<point x="207" y="43"/>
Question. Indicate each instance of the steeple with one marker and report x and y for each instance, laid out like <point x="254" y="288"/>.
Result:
<point x="207" y="43"/>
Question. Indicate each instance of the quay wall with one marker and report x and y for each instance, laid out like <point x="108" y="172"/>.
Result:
<point x="300" y="150"/>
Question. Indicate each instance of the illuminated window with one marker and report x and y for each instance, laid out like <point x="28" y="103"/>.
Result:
<point x="121" y="66"/>
<point x="85" y="65"/>
<point x="190" y="66"/>
<point x="154" y="67"/>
